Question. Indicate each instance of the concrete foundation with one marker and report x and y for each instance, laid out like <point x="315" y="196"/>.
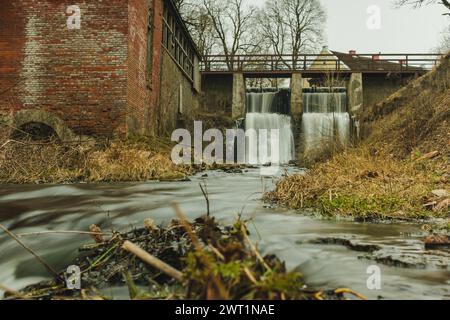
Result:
<point x="379" y="88"/>
<point x="217" y="94"/>
<point x="224" y="94"/>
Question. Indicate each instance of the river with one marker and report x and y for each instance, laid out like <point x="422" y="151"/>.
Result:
<point x="288" y="234"/>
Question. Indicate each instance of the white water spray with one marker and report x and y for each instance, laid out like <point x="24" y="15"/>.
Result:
<point x="325" y="120"/>
<point x="264" y="119"/>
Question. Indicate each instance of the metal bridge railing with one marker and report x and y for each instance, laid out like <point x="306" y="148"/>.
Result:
<point x="396" y="62"/>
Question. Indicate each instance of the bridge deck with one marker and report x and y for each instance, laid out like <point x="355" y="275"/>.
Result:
<point x="309" y="74"/>
<point x="280" y="66"/>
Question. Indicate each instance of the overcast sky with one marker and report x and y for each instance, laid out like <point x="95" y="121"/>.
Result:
<point x="401" y="30"/>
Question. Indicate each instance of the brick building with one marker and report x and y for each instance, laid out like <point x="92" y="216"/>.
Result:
<point x="93" y="67"/>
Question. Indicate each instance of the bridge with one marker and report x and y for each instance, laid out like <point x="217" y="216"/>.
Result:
<point x="315" y="65"/>
<point x="369" y="78"/>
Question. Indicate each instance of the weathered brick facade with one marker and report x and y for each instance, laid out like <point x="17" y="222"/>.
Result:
<point x="97" y="79"/>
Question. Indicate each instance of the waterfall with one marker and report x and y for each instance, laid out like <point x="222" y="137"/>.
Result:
<point x="326" y="121"/>
<point x="265" y="112"/>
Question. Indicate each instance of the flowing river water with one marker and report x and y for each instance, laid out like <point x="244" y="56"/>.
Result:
<point x="288" y="234"/>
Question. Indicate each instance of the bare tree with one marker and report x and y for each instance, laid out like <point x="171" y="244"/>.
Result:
<point x="199" y="24"/>
<point x="444" y="45"/>
<point x="221" y="27"/>
<point x="231" y="22"/>
<point x="420" y="3"/>
<point x="292" y="26"/>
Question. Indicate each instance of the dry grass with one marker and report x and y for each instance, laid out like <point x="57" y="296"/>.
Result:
<point x="417" y="117"/>
<point x="367" y="185"/>
<point x="387" y="177"/>
<point x="53" y="162"/>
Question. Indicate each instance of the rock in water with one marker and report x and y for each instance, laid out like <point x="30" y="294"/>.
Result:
<point x="437" y="242"/>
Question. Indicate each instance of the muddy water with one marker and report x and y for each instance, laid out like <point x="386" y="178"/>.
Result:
<point x="293" y="237"/>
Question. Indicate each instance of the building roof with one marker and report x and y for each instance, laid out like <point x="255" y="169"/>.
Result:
<point x="357" y="62"/>
<point x="327" y="62"/>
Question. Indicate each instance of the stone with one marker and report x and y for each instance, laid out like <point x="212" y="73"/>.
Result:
<point x="430" y="155"/>
<point x="437" y="242"/>
<point x="443" y="205"/>
<point x="150" y="225"/>
<point x="441" y="193"/>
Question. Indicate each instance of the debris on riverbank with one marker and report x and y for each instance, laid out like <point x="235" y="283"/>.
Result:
<point x="215" y="263"/>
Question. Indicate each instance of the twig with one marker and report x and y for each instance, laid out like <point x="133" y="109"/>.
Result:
<point x="258" y="255"/>
<point x="41" y="233"/>
<point x="4" y="145"/>
<point x="188" y="228"/>
<point x="153" y="261"/>
<point x="223" y="292"/>
<point x="349" y="291"/>
<point x="250" y="276"/>
<point x="38" y="258"/>
<point x="217" y="252"/>
<point x="11" y="291"/>
<point x="205" y="194"/>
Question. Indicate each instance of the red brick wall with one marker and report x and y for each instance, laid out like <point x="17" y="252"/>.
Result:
<point x="96" y="78"/>
<point x="144" y="84"/>
<point x="78" y="75"/>
<point x="138" y="95"/>
<point x="157" y="61"/>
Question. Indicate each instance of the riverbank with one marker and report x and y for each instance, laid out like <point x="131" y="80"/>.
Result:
<point x="44" y="217"/>
<point x="142" y="159"/>
<point x="27" y="158"/>
<point x="368" y="186"/>
<point x="400" y="171"/>
<point x="209" y="261"/>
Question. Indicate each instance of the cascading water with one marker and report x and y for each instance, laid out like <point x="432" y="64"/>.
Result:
<point x="326" y="121"/>
<point x="265" y="111"/>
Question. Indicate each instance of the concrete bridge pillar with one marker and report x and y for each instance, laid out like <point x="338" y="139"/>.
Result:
<point x="297" y="109"/>
<point x="238" y="100"/>
<point x="355" y="93"/>
<point x="296" y="95"/>
<point x="355" y="101"/>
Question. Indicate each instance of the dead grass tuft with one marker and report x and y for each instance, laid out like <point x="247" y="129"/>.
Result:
<point x="364" y="184"/>
<point x="415" y="117"/>
<point x="54" y="162"/>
